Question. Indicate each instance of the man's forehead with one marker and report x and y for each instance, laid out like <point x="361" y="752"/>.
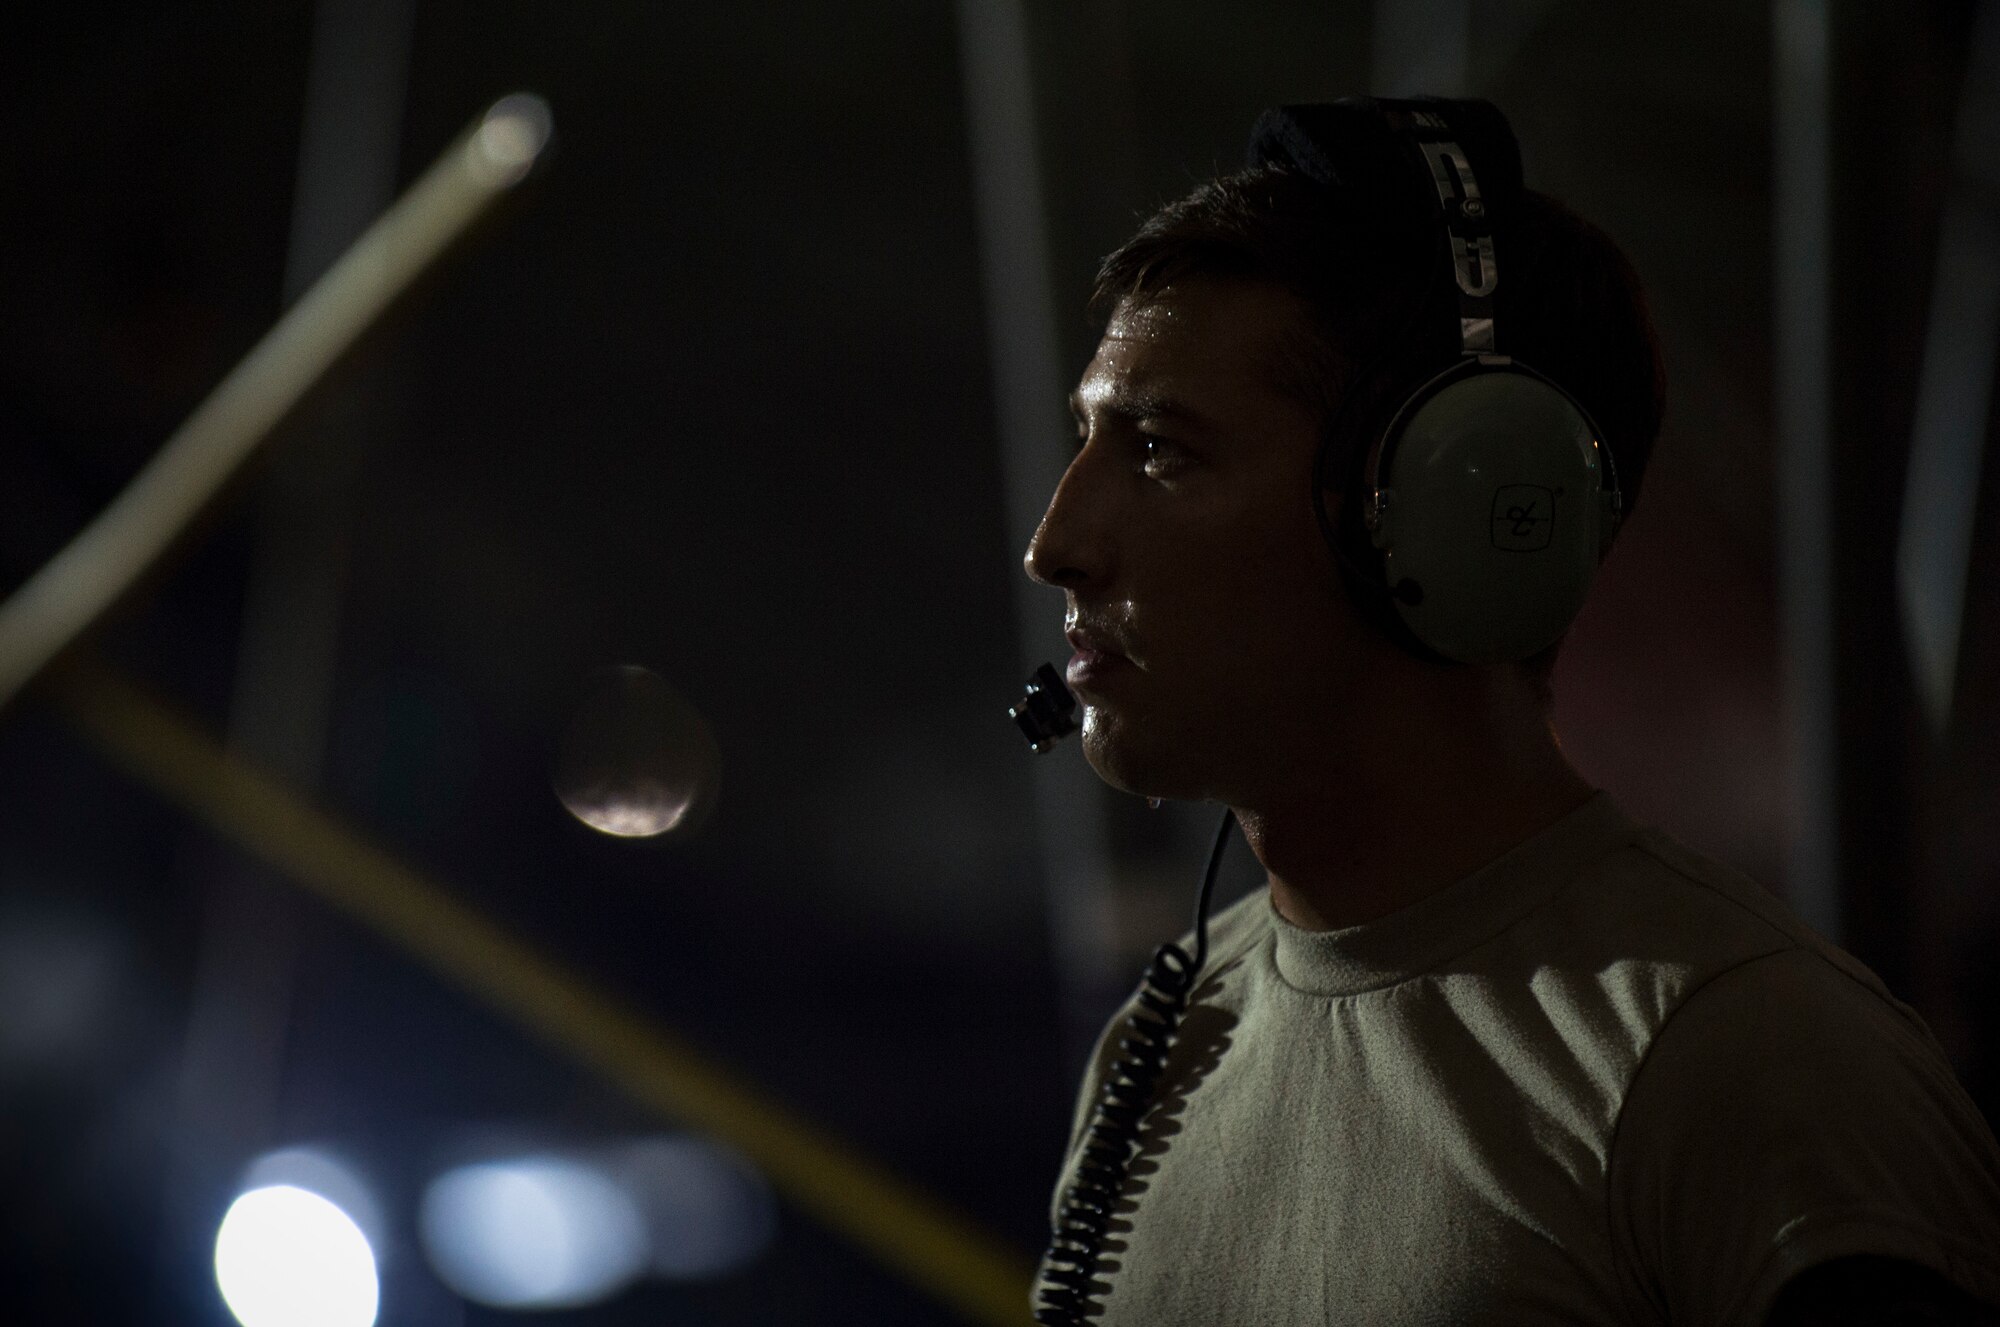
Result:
<point x="1203" y="313"/>
<point x="1185" y="337"/>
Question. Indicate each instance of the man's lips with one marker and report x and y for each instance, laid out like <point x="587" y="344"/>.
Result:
<point x="1094" y="659"/>
<point x="1088" y="642"/>
<point x="1088" y="667"/>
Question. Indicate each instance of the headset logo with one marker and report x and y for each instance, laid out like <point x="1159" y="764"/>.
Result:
<point x="1523" y="517"/>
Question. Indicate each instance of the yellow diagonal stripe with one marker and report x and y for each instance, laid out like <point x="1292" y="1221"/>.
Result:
<point x="934" y="1247"/>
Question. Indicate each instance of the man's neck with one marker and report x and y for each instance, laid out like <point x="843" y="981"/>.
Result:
<point x="1339" y="852"/>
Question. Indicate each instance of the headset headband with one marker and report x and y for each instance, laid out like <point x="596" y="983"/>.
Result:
<point x="1468" y="228"/>
<point x="1508" y="465"/>
<point x="1364" y="146"/>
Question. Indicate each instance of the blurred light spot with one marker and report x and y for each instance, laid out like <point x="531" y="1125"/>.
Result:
<point x="316" y="1171"/>
<point x="637" y="759"/>
<point x="540" y="1232"/>
<point x="512" y="135"/>
<point x="708" y="1212"/>
<point x="288" y="1258"/>
<point x="57" y="978"/>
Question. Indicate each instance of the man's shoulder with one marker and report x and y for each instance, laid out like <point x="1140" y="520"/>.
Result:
<point x="1789" y="1111"/>
<point x="1711" y="973"/>
<point x="1696" y="907"/>
<point x="1718" y="898"/>
<point x="1659" y="920"/>
<point x="1786" y="1108"/>
<point x="1815" y="973"/>
<point x="1651" y="928"/>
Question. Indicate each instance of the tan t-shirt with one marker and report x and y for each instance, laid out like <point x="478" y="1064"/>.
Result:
<point x="1601" y="1080"/>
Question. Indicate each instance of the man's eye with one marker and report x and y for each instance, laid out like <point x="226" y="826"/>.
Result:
<point x="1162" y="455"/>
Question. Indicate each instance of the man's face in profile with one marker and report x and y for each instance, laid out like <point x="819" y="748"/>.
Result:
<point x="1184" y="537"/>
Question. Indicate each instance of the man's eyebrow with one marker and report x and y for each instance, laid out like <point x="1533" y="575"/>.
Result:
<point x="1134" y="403"/>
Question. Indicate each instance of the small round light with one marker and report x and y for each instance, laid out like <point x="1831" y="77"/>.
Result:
<point x="285" y="1257"/>
<point x="637" y="759"/>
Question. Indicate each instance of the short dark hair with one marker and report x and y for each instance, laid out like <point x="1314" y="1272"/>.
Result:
<point x="1383" y="314"/>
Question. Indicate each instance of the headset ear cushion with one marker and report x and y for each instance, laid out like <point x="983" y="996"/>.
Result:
<point x="1497" y="512"/>
<point x="1360" y="567"/>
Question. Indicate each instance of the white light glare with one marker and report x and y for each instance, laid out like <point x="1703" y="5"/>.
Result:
<point x="540" y="1232"/>
<point x="316" y="1171"/>
<point x="285" y="1257"/>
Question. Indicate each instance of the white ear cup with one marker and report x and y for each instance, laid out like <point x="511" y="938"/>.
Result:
<point x="1492" y="510"/>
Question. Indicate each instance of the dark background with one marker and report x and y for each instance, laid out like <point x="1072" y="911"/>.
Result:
<point x="716" y="396"/>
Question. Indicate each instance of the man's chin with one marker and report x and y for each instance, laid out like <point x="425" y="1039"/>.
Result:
<point x="1131" y="758"/>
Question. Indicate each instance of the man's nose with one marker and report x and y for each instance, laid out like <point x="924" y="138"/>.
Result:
<point x="1069" y="548"/>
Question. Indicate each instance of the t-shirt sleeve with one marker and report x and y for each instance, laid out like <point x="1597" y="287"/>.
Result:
<point x="1788" y="1113"/>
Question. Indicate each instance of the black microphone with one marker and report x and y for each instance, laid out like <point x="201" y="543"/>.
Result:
<point x="1047" y="713"/>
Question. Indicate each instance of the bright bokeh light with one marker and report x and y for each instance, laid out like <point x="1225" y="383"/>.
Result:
<point x="316" y="1171"/>
<point x="637" y="758"/>
<point x="538" y="1232"/>
<point x="511" y="136"/>
<point x="708" y="1211"/>
<point x="286" y="1257"/>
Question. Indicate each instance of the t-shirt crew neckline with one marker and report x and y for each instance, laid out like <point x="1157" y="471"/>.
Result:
<point x="1434" y="930"/>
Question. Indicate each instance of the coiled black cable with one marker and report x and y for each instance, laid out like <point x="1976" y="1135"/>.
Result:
<point x="1122" y="1102"/>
